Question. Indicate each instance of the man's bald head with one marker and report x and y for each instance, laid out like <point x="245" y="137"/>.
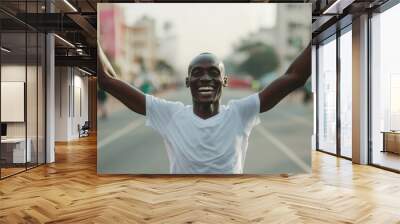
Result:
<point x="206" y="59"/>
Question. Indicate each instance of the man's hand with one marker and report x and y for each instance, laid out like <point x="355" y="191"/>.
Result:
<point x="133" y="98"/>
<point x="295" y="77"/>
<point x="104" y="65"/>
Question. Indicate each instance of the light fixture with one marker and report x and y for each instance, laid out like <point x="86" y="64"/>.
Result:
<point x="80" y="51"/>
<point x="64" y="40"/>
<point x="70" y="5"/>
<point x="84" y="71"/>
<point x="5" y="50"/>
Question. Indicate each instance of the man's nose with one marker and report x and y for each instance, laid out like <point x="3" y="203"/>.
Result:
<point x="206" y="76"/>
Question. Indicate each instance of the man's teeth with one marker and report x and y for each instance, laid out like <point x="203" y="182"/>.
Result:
<point x="206" y="88"/>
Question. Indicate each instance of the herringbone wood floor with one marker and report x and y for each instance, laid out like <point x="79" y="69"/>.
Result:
<point x="70" y="191"/>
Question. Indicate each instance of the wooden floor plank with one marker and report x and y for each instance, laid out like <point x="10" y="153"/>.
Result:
<point x="70" y="191"/>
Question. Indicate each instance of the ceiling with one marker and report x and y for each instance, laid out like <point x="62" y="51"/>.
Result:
<point x="76" y="21"/>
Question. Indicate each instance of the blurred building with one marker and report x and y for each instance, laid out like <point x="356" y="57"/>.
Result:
<point x="167" y="55"/>
<point x="293" y="32"/>
<point x="141" y="46"/>
<point x="149" y="56"/>
<point x="168" y="44"/>
<point x="111" y="30"/>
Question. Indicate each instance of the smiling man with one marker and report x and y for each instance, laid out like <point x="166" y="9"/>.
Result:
<point x="206" y="137"/>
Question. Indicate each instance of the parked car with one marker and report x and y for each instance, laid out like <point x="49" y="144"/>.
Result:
<point x="239" y="82"/>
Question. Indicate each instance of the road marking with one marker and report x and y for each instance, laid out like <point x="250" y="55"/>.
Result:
<point x="283" y="148"/>
<point x="118" y="134"/>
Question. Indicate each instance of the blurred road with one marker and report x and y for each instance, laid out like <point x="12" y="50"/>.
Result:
<point x="280" y="144"/>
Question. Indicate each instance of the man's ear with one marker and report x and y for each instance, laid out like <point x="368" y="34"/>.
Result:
<point x="187" y="82"/>
<point x="225" y="82"/>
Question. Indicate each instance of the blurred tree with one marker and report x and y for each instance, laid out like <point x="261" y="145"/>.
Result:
<point x="230" y="67"/>
<point x="142" y="65"/>
<point x="163" y="65"/>
<point x="296" y="42"/>
<point x="262" y="58"/>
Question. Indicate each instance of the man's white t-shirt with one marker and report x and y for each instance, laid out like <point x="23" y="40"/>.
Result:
<point x="204" y="146"/>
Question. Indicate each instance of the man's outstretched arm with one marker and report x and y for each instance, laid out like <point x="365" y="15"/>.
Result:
<point x="295" y="77"/>
<point x="133" y="98"/>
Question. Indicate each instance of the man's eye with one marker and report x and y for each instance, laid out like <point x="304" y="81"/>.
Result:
<point x="196" y="73"/>
<point x="214" y="73"/>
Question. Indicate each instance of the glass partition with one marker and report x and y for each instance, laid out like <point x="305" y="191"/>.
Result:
<point x="22" y="77"/>
<point x="346" y="94"/>
<point x="327" y="96"/>
<point x="385" y="89"/>
<point x="41" y="88"/>
<point x="14" y="153"/>
<point x="31" y="98"/>
<point x="32" y="87"/>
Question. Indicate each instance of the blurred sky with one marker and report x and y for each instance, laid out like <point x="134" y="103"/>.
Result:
<point x="211" y="27"/>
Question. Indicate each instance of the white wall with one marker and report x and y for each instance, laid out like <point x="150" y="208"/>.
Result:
<point x="62" y="80"/>
<point x="70" y="83"/>
<point x="80" y="89"/>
